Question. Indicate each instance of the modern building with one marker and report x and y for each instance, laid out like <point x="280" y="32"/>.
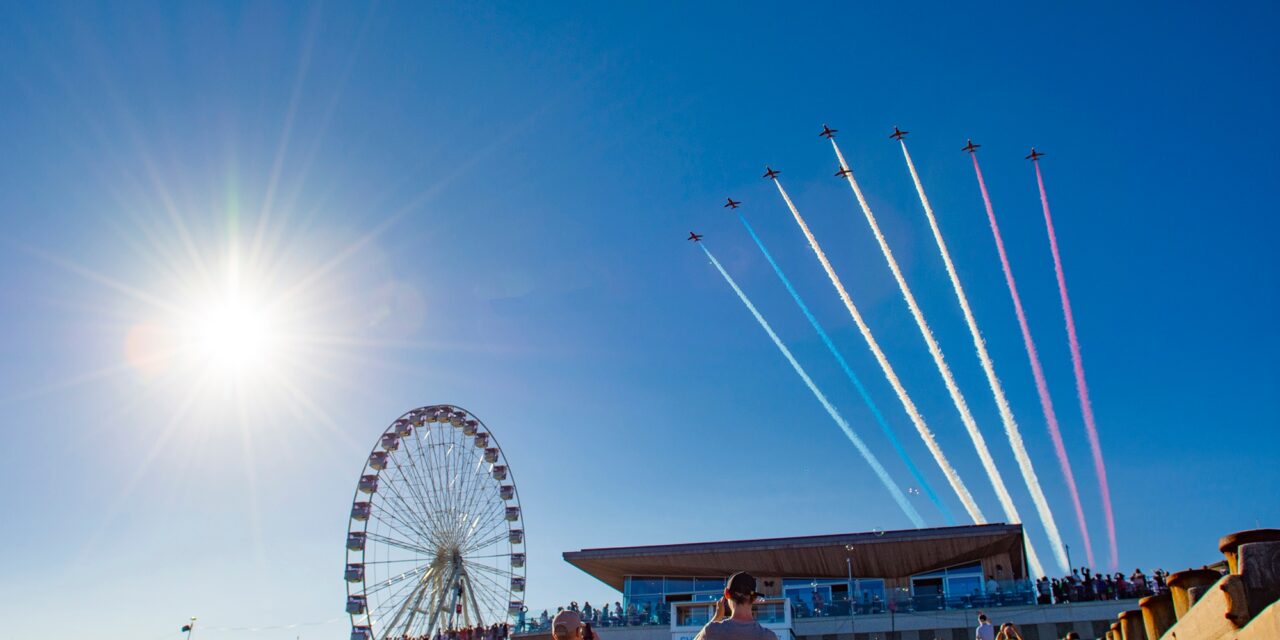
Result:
<point x="915" y="584"/>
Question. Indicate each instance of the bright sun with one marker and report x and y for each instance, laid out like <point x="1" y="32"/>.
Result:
<point x="233" y="334"/>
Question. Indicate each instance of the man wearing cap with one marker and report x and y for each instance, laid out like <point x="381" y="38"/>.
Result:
<point x="567" y="625"/>
<point x="740" y="594"/>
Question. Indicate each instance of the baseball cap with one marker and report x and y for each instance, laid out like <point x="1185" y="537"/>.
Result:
<point x="741" y="584"/>
<point x="570" y="620"/>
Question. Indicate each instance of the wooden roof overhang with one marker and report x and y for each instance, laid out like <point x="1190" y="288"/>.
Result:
<point x="882" y="554"/>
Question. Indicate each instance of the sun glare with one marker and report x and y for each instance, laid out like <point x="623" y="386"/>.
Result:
<point x="233" y="335"/>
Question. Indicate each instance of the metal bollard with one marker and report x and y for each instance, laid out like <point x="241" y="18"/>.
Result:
<point x="1229" y="545"/>
<point x="1181" y="581"/>
<point x="1131" y="626"/>
<point x="1157" y="614"/>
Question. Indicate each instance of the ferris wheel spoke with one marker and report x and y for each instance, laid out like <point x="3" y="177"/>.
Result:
<point x="421" y="470"/>
<point x="395" y="598"/>
<point x="475" y="564"/>
<point x="420" y="523"/>
<point x="399" y="479"/>
<point x="494" y="514"/>
<point x="406" y="529"/>
<point x="407" y="546"/>
<point x="477" y="497"/>
<point x="478" y="501"/>
<point x="482" y="522"/>
<point x="397" y="579"/>
<point x="498" y="579"/>
<point x="487" y="542"/>
<point x="491" y="598"/>
<point x="441" y="471"/>
<point x="369" y="562"/>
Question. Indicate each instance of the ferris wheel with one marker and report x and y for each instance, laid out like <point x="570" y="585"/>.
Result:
<point x="436" y="537"/>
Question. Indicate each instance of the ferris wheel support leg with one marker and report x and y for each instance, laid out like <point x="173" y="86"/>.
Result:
<point x="420" y="592"/>
<point x="475" y="606"/>
<point x="447" y="587"/>
<point x="410" y="603"/>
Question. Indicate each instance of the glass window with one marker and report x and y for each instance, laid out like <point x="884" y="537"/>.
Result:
<point x="966" y="568"/>
<point x="692" y="616"/>
<point x="679" y="585"/>
<point x="961" y="586"/>
<point x="770" y="613"/>
<point x="647" y="607"/>
<point x="708" y="584"/>
<point x="869" y="590"/>
<point x="640" y="585"/>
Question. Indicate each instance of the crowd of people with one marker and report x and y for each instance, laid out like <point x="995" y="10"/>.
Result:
<point x="1084" y="585"/>
<point x="478" y="632"/>
<point x="602" y="616"/>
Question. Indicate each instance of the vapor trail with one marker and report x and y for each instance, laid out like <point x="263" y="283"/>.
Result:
<point x="979" y="443"/>
<point x="926" y="435"/>
<point x="1037" y="372"/>
<point x="879" y="470"/>
<point x="848" y="371"/>
<point x="989" y="368"/>
<point x="1077" y="365"/>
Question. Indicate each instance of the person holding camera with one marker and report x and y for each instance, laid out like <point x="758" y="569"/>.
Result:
<point x="735" y="618"/>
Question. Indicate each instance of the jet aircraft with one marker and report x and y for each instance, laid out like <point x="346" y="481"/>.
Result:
<point x="971" y="147"/>
<point x="732" y="204"/>
<point x="828" y="132"/>
<point x="898" y="133"/>
<point x="770" y="173"/>
<point x="1034" y="155"/>
<point x="696" y="237"/>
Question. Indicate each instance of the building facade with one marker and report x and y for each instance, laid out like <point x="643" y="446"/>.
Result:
<point x="917" y="584"/>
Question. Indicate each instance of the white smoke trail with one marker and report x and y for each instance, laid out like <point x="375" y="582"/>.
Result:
<point x="867" y="455"/>
<point x="966" y="417"/>
<point x="953" y="477"/>
<point x="988" y="367"/>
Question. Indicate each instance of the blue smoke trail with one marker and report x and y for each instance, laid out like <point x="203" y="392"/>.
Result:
<point x="897" y="494"/>
<point x="866" y="397"/>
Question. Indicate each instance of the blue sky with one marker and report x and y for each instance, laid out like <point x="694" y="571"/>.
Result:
<point x="485" y="206"/>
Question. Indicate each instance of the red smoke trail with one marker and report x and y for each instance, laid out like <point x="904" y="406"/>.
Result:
<point x="1042" y="387"/>
<point x="1082" y="389"/>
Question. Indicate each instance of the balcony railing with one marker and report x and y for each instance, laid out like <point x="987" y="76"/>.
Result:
<point x="911" y="604"/>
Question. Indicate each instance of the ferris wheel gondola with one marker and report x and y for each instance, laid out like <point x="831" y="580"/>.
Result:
<point x="435" y="538"/>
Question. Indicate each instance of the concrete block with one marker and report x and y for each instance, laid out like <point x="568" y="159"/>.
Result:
<point x="1264" y="626"/>
<point x="1211" y="618"/>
